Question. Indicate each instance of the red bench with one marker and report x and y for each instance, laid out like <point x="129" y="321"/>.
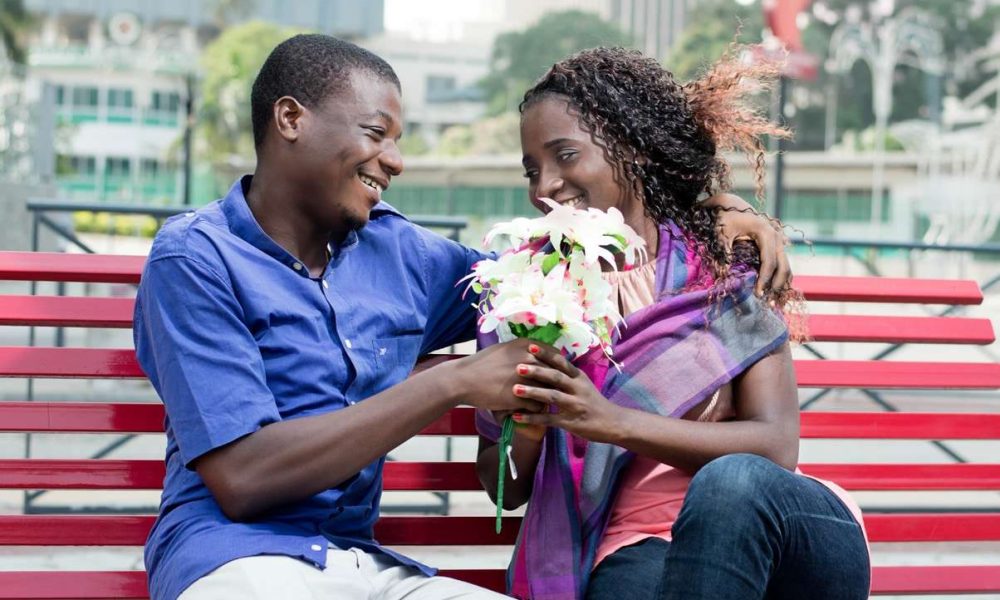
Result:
<point x="914" y="526"/>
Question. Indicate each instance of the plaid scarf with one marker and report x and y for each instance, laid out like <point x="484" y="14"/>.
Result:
<point x="673" y="354"/>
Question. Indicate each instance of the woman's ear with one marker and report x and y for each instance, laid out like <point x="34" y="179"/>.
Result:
<point x="288" y="117"/>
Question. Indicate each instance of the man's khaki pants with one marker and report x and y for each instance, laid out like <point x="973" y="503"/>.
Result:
<point x="349" y="575"/>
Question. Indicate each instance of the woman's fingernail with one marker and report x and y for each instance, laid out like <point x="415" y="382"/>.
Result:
<point x="522" y="369"/>
<point x="534" y="349"/>
<point x="517" y="417"/>
<point x="519" y="390"/>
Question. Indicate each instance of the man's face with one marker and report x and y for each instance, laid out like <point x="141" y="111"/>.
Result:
<point x="348" y="152"/>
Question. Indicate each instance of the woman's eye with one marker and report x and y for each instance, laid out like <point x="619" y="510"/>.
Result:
<point x="530" y="174"/>
<point x="564" y="156"/>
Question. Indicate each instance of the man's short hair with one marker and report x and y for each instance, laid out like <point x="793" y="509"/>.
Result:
<point x="309" y="68"/>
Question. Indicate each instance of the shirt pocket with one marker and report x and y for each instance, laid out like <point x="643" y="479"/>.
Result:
<point x="395" y="356"/>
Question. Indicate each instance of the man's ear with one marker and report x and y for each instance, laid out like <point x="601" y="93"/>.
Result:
<point x="288" y="117"/>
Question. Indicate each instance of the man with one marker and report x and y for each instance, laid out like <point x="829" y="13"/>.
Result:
<point x="264" y="319"/>
<point x="279" y="325"/>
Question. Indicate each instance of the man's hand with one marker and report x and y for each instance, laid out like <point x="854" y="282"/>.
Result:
<point x="737" y="219"/>
<point x="486" y="379"/>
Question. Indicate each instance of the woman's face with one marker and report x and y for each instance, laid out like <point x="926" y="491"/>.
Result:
<point x="562" y="162"/>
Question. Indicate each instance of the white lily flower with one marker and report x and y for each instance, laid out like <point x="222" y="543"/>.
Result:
<point x="533" y="286"/>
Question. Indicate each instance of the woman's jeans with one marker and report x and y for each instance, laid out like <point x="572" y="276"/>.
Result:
<point x="748" y="529"/>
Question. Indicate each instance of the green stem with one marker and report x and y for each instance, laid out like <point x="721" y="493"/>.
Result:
<point x="506" y="437"/>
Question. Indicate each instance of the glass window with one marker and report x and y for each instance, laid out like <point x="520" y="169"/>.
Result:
<point x="85" y="96"/>
<point x="119" y="98"/>
<point x="117" y="167"/>
<point x="166" y="101"/>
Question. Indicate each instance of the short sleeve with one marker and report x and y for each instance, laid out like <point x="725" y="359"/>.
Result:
<point x="194" y="345"/>
<point x="451" y="318"/>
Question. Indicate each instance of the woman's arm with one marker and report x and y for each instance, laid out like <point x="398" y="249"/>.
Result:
<point x="766" y="421"/>
<point x="527" y="447"/>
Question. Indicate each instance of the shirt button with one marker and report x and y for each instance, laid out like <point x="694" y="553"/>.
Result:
<point x="348" y="343"/>
<point x="325" y="284"/>
<point x="297" y="266"/>
<point x="189" y="214"/>
<point x="316" y="547"/>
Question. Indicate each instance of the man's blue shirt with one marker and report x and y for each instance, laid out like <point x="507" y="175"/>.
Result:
<point x="234" y="334"/>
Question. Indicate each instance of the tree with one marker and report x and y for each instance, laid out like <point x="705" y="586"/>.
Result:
<point x="14" y="24"/>
<point x="230" y="64"/>
<point x="712" y="27"/>
<point x="490" y="136"/>
<point x="521" y="57"/>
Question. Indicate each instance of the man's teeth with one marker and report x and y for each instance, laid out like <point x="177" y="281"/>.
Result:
<point x="371" y="183"/>
<point x="573" y="202"/>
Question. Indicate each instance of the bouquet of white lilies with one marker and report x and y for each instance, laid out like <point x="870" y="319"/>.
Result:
<point x="546" y="285"/>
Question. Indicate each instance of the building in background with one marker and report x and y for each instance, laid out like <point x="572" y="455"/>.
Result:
<point x="119" y="74"/>
<point x="439" y="81"/>
<point x="655" y="25"/>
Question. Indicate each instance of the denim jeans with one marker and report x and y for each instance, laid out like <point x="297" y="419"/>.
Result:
<point x="748" y="529"/>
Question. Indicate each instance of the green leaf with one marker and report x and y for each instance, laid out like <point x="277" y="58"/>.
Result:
<point x="550" y="262"/>
<point x="547" y="334"/>
<point x="518" y="329"/>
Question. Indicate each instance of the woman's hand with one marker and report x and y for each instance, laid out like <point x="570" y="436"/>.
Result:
<point x="576" y="405"/>
<point x="737" y="219"/>
<point x="534" y="433"/>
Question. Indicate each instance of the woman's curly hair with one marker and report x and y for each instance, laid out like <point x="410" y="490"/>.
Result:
<point x="664" y="137"/>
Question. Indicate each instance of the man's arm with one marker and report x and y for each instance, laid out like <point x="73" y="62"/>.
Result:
<point x="736" y="219"/>
<point x="193" y="343"/>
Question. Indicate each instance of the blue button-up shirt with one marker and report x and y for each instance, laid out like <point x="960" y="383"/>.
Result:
<point x="235" y="334"/>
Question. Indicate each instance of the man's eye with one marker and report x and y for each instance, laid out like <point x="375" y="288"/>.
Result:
<point x="530" y="174"/>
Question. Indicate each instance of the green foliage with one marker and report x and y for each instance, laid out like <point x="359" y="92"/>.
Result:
<point x="14" y="24"/>
<point x="122" y="225"/>
<point x="413" y="145"/>
<point x="712" y="27"/>
<point x="916" y="95"/>
<point x="230" y="64"/>
<point x="521" y="57"/>
<point x="490" y="136"/>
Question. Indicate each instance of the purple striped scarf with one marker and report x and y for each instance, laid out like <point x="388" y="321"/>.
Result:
<point x="674" y="354"/>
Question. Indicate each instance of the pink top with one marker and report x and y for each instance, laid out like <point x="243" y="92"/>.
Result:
<point x="651" y="492"/>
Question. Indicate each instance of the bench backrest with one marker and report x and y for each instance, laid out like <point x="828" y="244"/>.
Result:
<point x="71" y="417"/>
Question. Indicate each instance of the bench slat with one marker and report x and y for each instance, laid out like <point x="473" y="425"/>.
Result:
<point x="74" y="311"/>
<point x="66" y="311"/>
<point x="58" y="266"/>
<point x="91" y="530"/>
<point x="88" y="474"/>
<point x="55" y="266"/>
<point x="889" y="289"/>
<point x="102" y="417"/>
<point x="20" y="361"/>
<point x="900" y="330"/>
<point x="887" y="374"/>
<point x="131" y="585"/>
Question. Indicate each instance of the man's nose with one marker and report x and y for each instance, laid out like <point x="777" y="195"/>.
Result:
<point x="392" y="159"/>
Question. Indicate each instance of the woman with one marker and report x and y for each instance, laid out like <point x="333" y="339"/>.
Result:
<point x="675" y="476"/>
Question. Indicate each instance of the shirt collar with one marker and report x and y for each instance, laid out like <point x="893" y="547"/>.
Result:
<point x="243" y="224"/>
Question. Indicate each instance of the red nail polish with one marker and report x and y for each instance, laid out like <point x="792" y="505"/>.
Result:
<point x="522" y="369"/>
<point x="534" y="349"/>
<point x="518" y="417"/>
<point x="518" y="390"/>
